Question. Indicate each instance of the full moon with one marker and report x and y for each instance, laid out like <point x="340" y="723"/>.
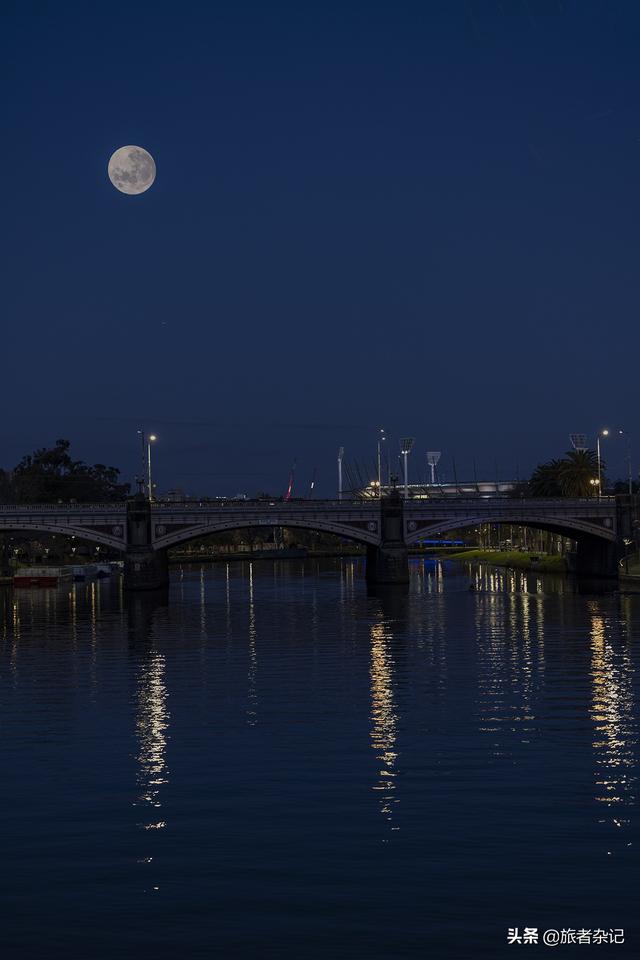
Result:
<point x="131" y="169"/>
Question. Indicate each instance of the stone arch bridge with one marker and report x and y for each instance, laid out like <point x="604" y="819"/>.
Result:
<point x="144" y="531"/>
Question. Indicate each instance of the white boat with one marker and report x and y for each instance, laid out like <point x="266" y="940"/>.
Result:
<point x="84" y="571"/>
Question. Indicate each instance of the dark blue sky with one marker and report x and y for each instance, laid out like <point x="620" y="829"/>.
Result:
<point x="423" y="216"/>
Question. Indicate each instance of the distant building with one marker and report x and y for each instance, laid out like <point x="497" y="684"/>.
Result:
<point x="445" y="491"/>
<point x="174" y="496"/>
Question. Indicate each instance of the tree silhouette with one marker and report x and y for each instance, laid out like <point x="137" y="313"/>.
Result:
<point x="545" y="480"/>
<point x="50" y="474"/>
<point x="570" y="476"/>
<point x="577" y="471"/>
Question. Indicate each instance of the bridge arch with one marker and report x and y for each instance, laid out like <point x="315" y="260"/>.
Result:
<point x="575" y="529"/>
<point x="184" y="535"/>
<point x="80" y="533"/>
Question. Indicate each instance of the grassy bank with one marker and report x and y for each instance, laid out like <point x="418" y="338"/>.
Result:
<point x="513" y="558"/>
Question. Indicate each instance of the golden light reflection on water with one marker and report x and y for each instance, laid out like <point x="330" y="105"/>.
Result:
<point x="93" y="610"/>
<point x="510" y="657"/>
<point x="252" y="676"/>
<point x="15" y="635"/>
<point x="151" y="728"/>
<point x="384" y="721"/>
<point x="612" y="714"/>
<point x="203" y="605"/>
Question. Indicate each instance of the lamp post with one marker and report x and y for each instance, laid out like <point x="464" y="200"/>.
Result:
<point x="405" y="448"/>
<point x="601" y="433"/>
<point x="151" y="439"/>
<point x="381" y="439"/>
<point x="143" y="458"/>
<point x="340" y="456"/>
<point x="623" y="433"/>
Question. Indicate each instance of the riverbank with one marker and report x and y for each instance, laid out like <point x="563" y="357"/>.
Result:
<point x="246" y="555"/>
<point x="301" y="554"/>
<point x="513" y="558"/>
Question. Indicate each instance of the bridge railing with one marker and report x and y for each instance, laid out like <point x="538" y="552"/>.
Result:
<point x="347" y="504"/>
<point x="257" y="504"/>
<point x="502" y="502"/>
<point x="505" y="504"/>
<point x="62" y="507"/>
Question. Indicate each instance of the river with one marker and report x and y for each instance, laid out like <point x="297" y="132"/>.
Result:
<point x="279" y="762"/>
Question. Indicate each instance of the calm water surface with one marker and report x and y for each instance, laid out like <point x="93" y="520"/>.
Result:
<point x="279" y="763"/>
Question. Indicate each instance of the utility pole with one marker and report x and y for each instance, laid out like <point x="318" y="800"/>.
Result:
<point x="601" y="433"/>
<point x="623" y="433"/>
<point x="405" y="448"/>
<point x="143" y="460"/>
<point x="381" y="439"/>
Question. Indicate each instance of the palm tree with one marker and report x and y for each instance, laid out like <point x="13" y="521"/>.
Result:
<point x="577" y="471"/>
<point x="544" y="480"/>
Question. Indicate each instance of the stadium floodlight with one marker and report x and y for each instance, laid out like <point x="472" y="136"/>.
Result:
<point x="433" y="458"/>
<point x="579" y="441"/>
<point x="406" y="444"/>
<point x="381" y="440"/>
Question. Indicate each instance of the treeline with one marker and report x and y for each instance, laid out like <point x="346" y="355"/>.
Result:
<point x="50" y="475"/>
<point x="574" y="475"/>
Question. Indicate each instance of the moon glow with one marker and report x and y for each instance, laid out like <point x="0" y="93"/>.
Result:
<point x="131" y="169"/>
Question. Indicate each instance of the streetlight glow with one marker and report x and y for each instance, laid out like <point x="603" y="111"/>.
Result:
<point x="150" y="440"/>
<point x="601" y="433"/>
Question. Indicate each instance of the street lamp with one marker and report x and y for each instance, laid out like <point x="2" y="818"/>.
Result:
<point x="623" y="433"/>
<point x="340" y="456"/>
<point x="405" y="448"/>
<point x="152" y="438"/>
<point x="381" y="439"/>
<point x="601" y="433"/>
<point x="143" y="457"/>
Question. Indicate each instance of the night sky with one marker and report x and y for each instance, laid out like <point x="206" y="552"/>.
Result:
<point x="418" y="216"/>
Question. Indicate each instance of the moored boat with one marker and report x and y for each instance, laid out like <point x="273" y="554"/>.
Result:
<point x="41" y="576"/>
<point x="84" y="571"/>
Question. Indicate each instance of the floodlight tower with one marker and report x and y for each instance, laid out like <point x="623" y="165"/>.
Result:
<point x="433" y="458"/>
<point x="340" y="456"/>
<point x="405" y="449"/>
<point x="381" y="439"/>
<point x="579" y="442"/>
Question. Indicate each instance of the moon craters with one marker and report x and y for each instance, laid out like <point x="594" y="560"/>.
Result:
<point x="132" y="169"/>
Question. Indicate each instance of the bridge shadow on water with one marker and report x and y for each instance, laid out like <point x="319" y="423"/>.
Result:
<point x="392" y="599"/>
<point x="141" y="611"/>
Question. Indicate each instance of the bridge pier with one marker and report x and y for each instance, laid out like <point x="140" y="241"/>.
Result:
<point x="389" y="562"/>
<point x="144" y="567"/>
<point x="597" y="558"/>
